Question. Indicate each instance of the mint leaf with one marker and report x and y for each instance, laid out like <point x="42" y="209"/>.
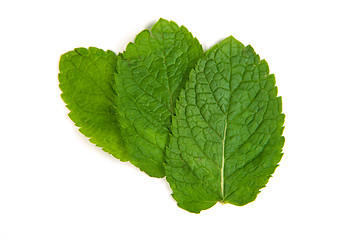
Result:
<point x="226" y="136"/>
<point x="87" y="81"/>
<point x="151" y="73"/>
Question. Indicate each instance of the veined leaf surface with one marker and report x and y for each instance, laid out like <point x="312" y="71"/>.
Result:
<point x="87" y="81"/>
<point x="226" y="136"/>
<point x="151" y="73"/>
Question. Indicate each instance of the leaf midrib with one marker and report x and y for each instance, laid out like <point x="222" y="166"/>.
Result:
<point x="223" y="162"/>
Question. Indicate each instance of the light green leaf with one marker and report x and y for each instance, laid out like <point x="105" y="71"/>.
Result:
<point x="227" y="133"/>
<point x="87" y="81"/>
<point x="151" y="73"/>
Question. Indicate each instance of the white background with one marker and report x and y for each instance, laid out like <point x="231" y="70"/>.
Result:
<point x="54" y="184"/>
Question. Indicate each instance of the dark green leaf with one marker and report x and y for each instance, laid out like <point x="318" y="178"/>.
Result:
<point x="227" y="133"/>
<point x="151" y="73"/>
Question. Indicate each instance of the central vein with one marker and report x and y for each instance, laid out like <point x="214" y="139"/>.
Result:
<point x="223" y="162"/>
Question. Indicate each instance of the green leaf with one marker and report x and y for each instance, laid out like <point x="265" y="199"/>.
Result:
<point x="227" y="133"/>
<point x="87" y="81"/>
<point x="151" y="73"/>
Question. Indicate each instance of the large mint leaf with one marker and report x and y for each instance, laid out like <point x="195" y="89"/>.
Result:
<point x="151" y="73"/>
<point x="227" y="133"/>
<point x="87" y="81"/>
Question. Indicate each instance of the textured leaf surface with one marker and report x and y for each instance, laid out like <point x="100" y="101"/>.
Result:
<point x="226" y="136"/>
<point x="151" y="73"/>
<point x="87" y="82"/>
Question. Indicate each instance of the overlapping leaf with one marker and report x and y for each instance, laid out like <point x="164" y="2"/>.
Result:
<point x="151" y="74"/>
<point x="226" y="136"/>
<point x="87" y="81"/>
